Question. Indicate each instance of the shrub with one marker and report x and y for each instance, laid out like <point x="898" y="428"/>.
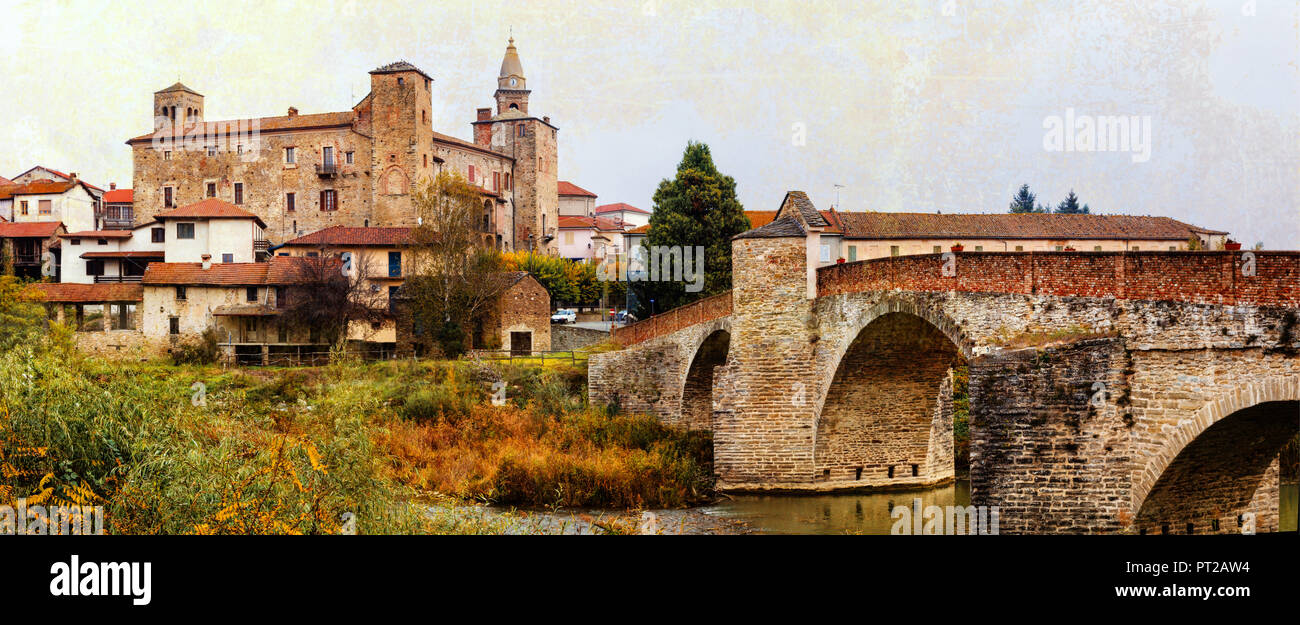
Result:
<point x="203" y="350"/>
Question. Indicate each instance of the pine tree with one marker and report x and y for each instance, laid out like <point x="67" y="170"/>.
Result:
<point x="1023" y="202"/>
<point x="1070" y="205"/>
<point x="696" y="208"/>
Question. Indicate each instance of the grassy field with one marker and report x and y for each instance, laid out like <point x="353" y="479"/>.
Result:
<point x="204" y="449"/>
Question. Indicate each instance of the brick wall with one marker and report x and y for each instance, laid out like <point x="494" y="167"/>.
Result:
<point x="1200" y="277"/>
<point x="707" y="309"/>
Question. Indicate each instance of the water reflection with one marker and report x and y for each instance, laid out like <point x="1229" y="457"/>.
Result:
<point x="869" y="513"/>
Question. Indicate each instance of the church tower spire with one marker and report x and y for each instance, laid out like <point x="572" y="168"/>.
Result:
<point x="512" y="87"/>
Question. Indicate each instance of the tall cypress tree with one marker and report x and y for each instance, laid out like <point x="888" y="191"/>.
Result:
<point x="696" y="208"/>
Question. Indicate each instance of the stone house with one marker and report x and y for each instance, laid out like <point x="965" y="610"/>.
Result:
<point x="518" y="321"/>
<point x="302" y="173"/>
<point x="378" y="257"/>
<point x="106" y="317"/>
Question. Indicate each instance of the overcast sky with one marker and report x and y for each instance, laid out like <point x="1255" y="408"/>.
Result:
<point x="937" y="105"/>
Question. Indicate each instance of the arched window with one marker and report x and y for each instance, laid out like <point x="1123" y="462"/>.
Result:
<point x="487" y="215"/>
<point x="514" y="107"/>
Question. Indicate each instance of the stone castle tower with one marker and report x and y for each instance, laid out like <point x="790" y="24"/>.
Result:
<point x="531" y="141"/>
<point x="177" y="104"/>
<point x="401" y="99"/>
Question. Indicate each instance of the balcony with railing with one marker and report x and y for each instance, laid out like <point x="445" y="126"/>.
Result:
<point x="117" y="279"/>
<point x="327" y="170"/>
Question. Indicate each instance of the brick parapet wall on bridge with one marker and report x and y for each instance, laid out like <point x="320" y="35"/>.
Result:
<point x="699" y="311"/>
<point x="1224" y="278"/>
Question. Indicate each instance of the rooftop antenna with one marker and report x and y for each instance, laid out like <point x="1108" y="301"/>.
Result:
<point x="837" y="195"/>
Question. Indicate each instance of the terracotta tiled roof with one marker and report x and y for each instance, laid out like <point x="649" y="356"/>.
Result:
<point x="42" y="187"/>
<point x="72" y="293"/>
<point x="786" y="226"/>
<point x="42" y="229"/>
<point x="758" y="219"/>
<point x="263" y="124"/>
<point x="281" y="270"/>
<point x="619" y="206"/>
<point x="119" y="196"/>
<point x="1015" y="226"/>
<point x="568" y="188"/>
<point x="579" y="222"/>
<point x="5" y="181"/>
<point x="97" y="234"/>
<point x="342" y="235"/>
<point x="640" y="230"/>
<point x="438" y="137"/>
<point x="62" y="175"/>
<point x="7" y="190"/>
<point x="209" y="208"/>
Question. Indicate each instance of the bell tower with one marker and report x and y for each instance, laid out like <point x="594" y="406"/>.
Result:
<point x="512" y="87"/>
<point x="178" y="105"/>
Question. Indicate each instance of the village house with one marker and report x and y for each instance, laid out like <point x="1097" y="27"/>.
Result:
<point x="72" y="202"/>
<point x="589" y="238"/>
<point x="625" y="214"/>
<point x="575" y="200"/>
<point x="117" y="213"/>
<point x="26" y="245"/>
<point x="857" y="236"/>
<point x="302" y="173"/>
<point x="517" y="321"/>
<point x="106" y="256"/>
<point x="41" y="172"/>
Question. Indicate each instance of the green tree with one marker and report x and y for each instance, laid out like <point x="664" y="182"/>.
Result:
<point x="697" y="208"/>
<point x="22" y="317"/>
<point x="1070" y="205"/>
<point x="1023" y="201"/>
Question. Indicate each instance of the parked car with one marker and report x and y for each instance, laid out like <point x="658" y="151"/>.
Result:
<point x="565" y="315"/>
<point x="624" y="317"/>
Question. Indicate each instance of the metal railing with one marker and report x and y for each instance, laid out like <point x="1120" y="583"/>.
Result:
<point x="572" y="357"/>
<point x="117" y="279"/>
<point x="327" y="169"/>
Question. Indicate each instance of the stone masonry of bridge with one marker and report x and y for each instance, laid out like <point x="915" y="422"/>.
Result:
<point x="1109" y="392"/>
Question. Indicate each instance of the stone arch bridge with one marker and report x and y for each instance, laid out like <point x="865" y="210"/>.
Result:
<point x="1134" y="392"/>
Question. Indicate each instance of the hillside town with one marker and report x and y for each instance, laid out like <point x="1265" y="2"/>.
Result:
<point x="222" y="218"/>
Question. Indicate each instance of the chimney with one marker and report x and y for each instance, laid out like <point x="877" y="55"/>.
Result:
<point x="546" y="119"/>
<point x="73" y="176"/>
<point x="293" y="111"/>
<point x="112" y="186"/>
<point x="207" y="262"/>
<point x="484" y="114"/>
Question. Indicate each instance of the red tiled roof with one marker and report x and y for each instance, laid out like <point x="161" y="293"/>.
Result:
<point x="280" y="270"/>
<point x="619" y="206"/>
<point x="758" y="219"/>
<point x="42" y="187"/>
<point x="262" y="124"/>
<point x="209" y="208"/>
<point x="568" y="188"/>
<point x="640" y="230"/>
<point x="61" y="175"/>
<point x="97" y="234"/>
<point x="70" y="293"/>
<point x="1014" y="226"/>
<point x="42" y="229"/>
<point x="7" y="190"/>
<point x="438" y="137"/>
<point x="119" y="196"/>
<point x="342" y="235"/>
<point x="5" y="181"/>
<point x="580" y="222"/>
<point x="124" y="254"/>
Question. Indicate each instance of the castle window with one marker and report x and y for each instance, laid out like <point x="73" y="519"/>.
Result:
<point x="514" y="107"/>
<point x="400" y="81"/>
<point x="347" y="158"/>
<point x="521" y="130"/>
<point x="167" y="197"/>
<point x="239" y="193"/>
<point x="507" y="181"/>
<point x="289" y="156"/>
<point x="471" y="174"/>
<point x="288" y="202"/>
<point x="426" y="160"/>
<point x="167" y="155"/>
<point x="212" y="189"/>
<point x="212" y="150"/>
<point x="328" y="200"/>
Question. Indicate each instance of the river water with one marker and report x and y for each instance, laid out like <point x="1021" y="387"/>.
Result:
<point x="848" y="513"/>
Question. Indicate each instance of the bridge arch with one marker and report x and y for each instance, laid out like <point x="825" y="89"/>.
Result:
<point x="1215" y="463"/>
<point x="708" y="352"/>
<point x="885" y="416"/>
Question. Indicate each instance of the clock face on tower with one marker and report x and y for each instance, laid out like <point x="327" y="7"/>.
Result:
<point x="514" y="82"/>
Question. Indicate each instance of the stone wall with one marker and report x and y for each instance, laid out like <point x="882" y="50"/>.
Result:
<point x="568" y="337"/>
